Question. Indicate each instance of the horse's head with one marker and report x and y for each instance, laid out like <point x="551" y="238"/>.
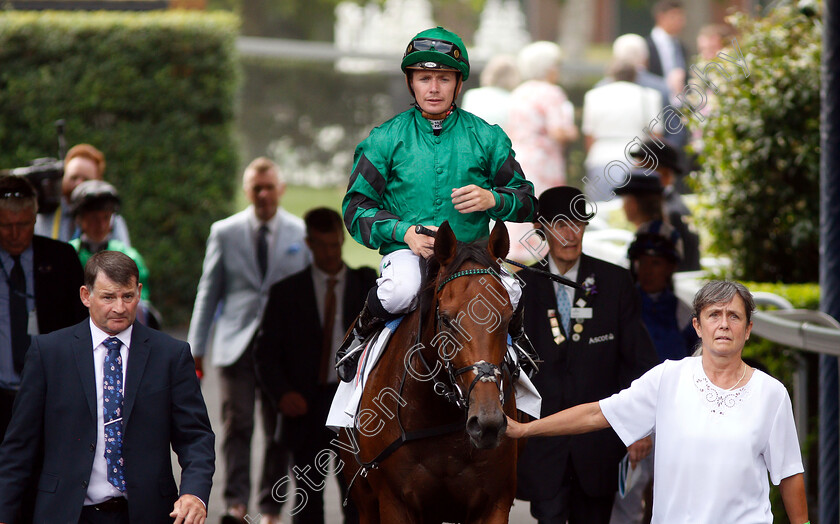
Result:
<point x="473" y="310"/>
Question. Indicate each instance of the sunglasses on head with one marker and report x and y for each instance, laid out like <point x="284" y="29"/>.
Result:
<point x="13" y="194"/>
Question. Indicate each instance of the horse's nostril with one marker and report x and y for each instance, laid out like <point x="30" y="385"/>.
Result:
<point x="474" y="427"/>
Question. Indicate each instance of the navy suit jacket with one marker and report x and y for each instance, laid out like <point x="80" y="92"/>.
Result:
<point x="55" y="418"/>
<point x="58" y="276"/>
<point x="613" y="349"/>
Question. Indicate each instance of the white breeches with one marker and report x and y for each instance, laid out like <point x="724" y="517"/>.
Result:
<point x="401" y="278"/>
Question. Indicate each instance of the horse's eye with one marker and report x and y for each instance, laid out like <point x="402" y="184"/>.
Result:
<point x="446" y="321"/>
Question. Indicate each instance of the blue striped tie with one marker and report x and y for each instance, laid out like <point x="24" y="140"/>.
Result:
<point x="112" y="404"/>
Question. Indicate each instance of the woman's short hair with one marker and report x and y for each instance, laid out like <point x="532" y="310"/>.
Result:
<point x="500" y="71"/>
<point x="722" y="291"/>
<point x="537" y="59"/>
<point x="631" y="48"/>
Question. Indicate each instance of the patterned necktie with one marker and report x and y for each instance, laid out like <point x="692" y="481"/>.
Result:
<point x="18" y="314"/>
<point x="329" y="323"/>
<point x="112" y="404"/>
<point x="262" y="249"/>
<point x="564" y="307"/>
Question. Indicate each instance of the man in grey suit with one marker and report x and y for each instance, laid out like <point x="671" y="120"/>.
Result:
<point x="246" y="254"/>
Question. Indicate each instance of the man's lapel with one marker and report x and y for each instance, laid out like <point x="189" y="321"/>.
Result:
<point x="83" y="352"/>
<point x="138" y="354"/>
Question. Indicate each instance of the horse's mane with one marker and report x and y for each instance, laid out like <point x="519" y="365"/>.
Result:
<point x="465" y="251"/>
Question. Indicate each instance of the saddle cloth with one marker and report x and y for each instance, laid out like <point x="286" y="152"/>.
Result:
<point x="345" y="404"/>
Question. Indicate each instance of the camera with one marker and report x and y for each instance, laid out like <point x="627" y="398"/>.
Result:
<point x="45" y="175"/>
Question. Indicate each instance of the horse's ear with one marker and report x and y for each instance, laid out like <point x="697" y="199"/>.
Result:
<point x="445" y="244"/>
<point x="499" y="244"/>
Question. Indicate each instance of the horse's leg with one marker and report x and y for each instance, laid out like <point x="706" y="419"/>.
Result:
<point x="393" y="511"/>
<point x="498" y="514"/>
<point x="365" y="501"/>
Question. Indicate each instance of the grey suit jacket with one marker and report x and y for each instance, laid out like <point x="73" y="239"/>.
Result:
<point x="231" y="283"/>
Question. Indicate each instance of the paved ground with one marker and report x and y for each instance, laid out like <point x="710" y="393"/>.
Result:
<point x="519" y="514"/>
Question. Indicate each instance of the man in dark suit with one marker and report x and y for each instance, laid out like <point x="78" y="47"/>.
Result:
<point x="593" y="344"/>
<point x="304" y="323"/>
<point x="39" y="291"/>
<point x="101" y="452"/>
<point x="667" y="56"/>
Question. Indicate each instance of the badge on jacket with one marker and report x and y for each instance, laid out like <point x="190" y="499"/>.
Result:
<point x="556" y="332"/>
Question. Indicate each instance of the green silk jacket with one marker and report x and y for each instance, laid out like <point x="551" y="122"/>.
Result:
<point x="404" y="174"/>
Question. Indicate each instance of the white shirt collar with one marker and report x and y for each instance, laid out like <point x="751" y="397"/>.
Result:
<point x="321" y="275"/>
<point x="254" y="223"/>
<point x="98" y="336"/>
<point x="570" y="274"/>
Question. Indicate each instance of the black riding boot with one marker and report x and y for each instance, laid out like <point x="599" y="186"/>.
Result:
<point x="528" y="357"/>
<point x="367" y="323"/>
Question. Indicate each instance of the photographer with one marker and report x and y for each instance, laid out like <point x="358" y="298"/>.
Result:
<point x="83" y="162"/>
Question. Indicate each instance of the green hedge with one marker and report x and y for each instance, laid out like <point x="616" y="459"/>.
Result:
<point x="156" y="93"/>
<point x="761" y="149"/>
<point x="781" y="361"/>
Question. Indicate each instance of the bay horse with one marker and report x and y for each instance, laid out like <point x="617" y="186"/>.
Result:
<point x="429" y="439"/>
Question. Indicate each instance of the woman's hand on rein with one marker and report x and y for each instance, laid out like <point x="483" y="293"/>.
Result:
<point x="514" y="429"/>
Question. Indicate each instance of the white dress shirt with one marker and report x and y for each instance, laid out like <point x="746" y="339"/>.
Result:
<point x="99" y="489"/>
<point x="668" y="48"/>
<point x="319" y="281"/>
<point x="571" y="274"/>
<point x="255" y="223"/>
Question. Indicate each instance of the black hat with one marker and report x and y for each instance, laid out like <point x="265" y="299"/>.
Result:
<point x="653" y="244"/>
<point x="640" y="183"/>
<point x="563" y="201"/>
<point x="94" y="195"/>
<point x="666" y="153"/>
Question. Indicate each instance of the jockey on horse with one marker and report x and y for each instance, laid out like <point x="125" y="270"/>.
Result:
<point x="432" y="163"/>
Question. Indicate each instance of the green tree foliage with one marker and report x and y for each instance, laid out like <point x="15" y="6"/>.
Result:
<point x="155" y="92"/>
<point x="761" y="154"/>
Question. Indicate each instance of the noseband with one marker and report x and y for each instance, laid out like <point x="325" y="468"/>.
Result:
<point x="484" y="371"/>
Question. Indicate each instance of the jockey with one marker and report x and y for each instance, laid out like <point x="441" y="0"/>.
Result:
<point x="431" y="163"/>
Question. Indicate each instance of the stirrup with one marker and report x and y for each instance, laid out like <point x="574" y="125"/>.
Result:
<point x="350" y="354"/>
<point x="527" y="363"/>
<point x="346" y="366"/>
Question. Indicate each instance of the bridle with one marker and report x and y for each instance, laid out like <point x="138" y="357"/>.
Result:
<point x="484" y="371"/>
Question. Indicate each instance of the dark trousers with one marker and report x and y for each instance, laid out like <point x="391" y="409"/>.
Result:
<point x="239" y="391"/>
<point x="7" y="400"/>
<point x="307" y="437"/>
<point x="27" y="505"/>
<point x="91" y="516"/>
<point x="572" y="504"/>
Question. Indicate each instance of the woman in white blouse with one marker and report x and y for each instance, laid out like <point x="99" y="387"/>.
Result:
<point x="721" y="426"/>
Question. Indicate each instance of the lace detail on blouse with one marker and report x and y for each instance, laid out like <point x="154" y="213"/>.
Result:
<point x="719" y="401"/>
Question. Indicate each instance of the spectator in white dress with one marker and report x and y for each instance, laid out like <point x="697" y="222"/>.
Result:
<point x="721" y="426"/>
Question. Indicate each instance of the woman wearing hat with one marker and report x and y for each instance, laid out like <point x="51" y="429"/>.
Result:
<point x="429" y="164"/>
<point x="721" y="426"/>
